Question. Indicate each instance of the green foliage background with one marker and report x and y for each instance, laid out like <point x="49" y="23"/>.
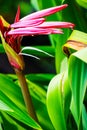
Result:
<point x="58" y="97"/>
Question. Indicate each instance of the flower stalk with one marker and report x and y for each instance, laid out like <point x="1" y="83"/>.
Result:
<point x="26" y="93"/>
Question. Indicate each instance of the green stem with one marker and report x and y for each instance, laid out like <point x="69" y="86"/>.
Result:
<point x="26" y="93"/>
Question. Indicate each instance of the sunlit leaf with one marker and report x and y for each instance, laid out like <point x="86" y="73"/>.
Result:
<point x="76" y="41"/>
<point x="78" y="81"/>
<point x="84" y="118"/>
<point x="4" y="107"/>
<point x="58" y="100"/>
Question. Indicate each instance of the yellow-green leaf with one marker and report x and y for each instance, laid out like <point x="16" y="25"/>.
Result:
<point x="58" y="100"/>
<point x="76" y="41"/>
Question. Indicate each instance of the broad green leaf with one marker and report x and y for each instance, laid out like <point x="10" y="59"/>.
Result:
<point x="64" y="65"/>
<point x="84" y="118"/>
<point x="58" y="100"/>
<point x="78" y="81"/>
<point x="54" y="103"/>
<point x="66" y="95"/>
<point x="1" y="123"/>
<point x="1" y="127"/>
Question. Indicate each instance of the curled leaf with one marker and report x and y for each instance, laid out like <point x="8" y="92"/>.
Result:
<point x="76" y="41"/>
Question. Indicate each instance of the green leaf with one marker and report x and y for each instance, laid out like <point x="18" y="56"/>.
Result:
<point x="40" y="78"/>
<point x="84" y="118"/>
<point x="9" y="123"/>
<point x="8" y="87"/>
<point x="78" y="81"/>
<point x="38" y="93"/>
<point x="2" y="49"/>
<point x="1" y="127"/>
<point x="58" y="100"/>
<point x="11" y="95"/>
<point x="4" y="107"/>
<point x="42" y="114"/>
<point x="82" y="3"/>
<point x="76" y="41"/>
<point x="77" y="17"/>
<point x="78" y="36"/>
<point x="40" y="4"/>
<point x="54" y="103"/>
<point x="66" y="94"/>
<point x="59" y="55"/>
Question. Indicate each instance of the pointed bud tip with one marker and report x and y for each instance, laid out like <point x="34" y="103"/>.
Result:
<point x="72" y="26"/>
<point x="66" y="5"/>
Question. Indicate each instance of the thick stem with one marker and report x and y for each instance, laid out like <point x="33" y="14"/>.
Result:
<point x="26" y="93"/>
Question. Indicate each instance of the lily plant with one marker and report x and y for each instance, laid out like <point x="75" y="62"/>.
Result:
<point x="32" y="24"/>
